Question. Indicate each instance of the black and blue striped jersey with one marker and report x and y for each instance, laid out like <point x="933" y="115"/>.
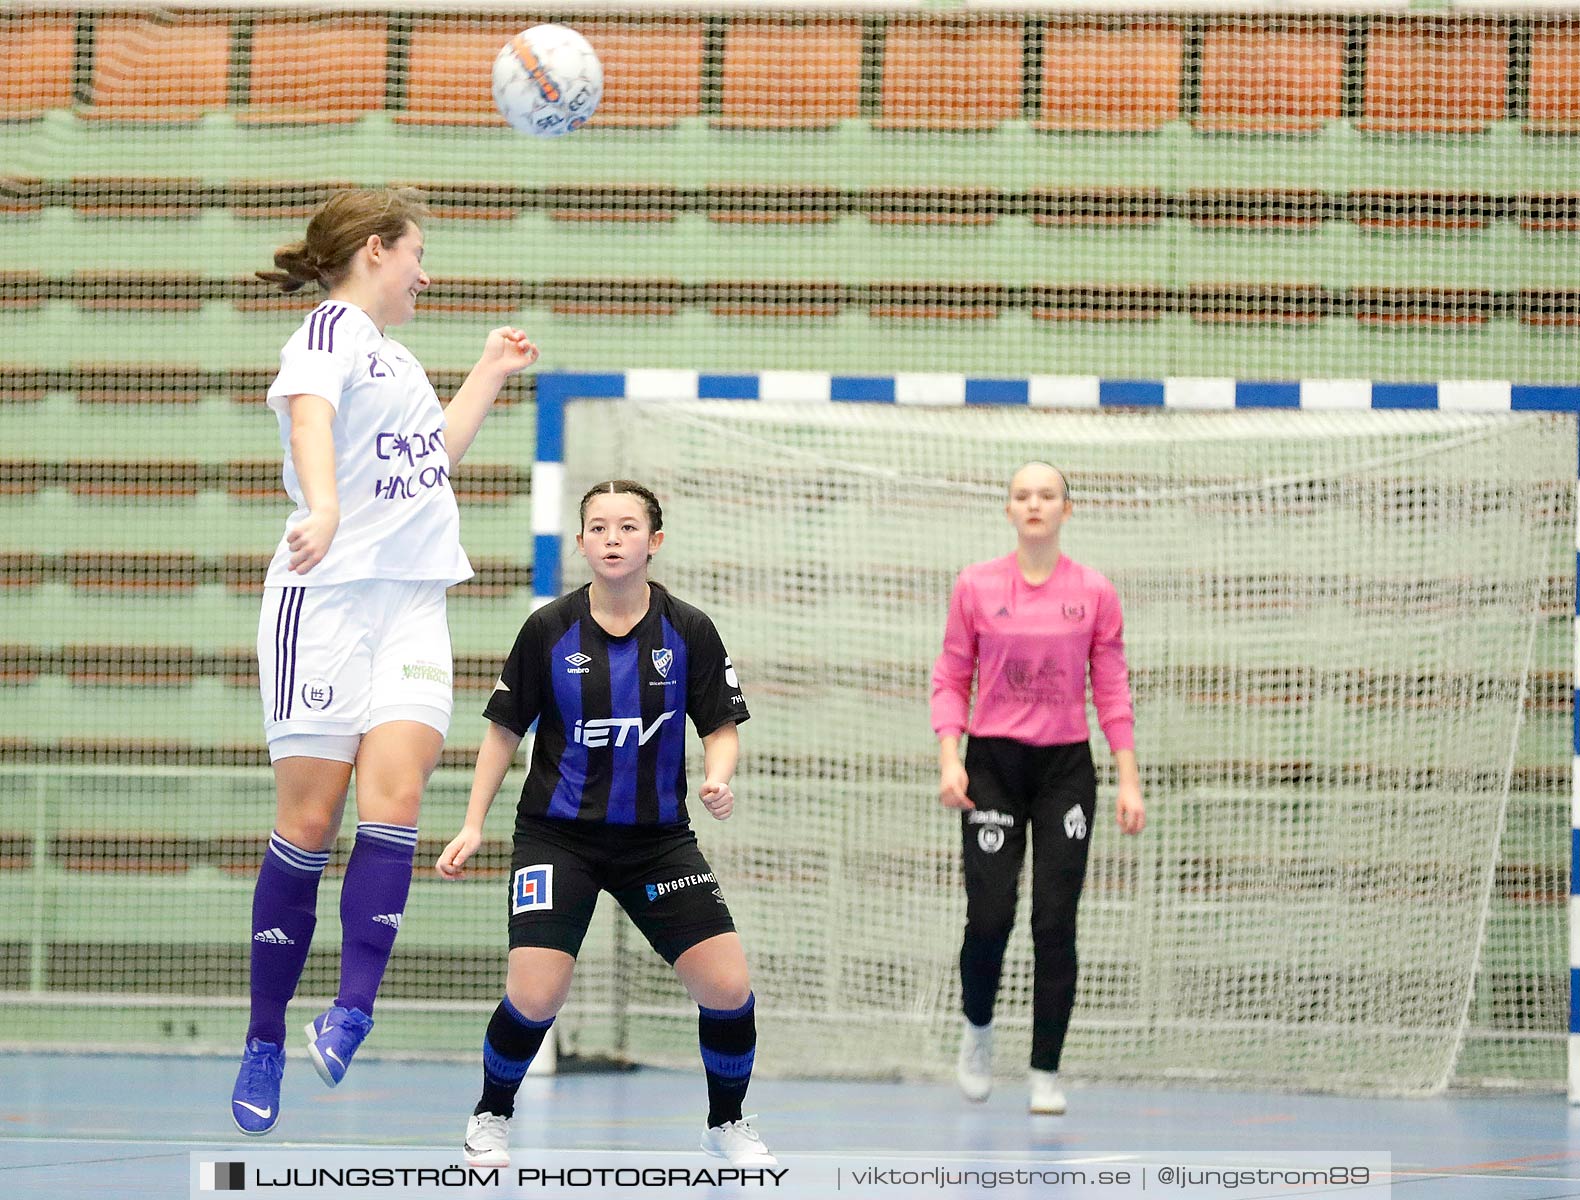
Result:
<point x="612" y="711"/>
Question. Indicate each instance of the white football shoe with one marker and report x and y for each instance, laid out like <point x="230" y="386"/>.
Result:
<point x="974" y="1066"/>
<point x="487" y="1141"/>
<point x="1047" y="1097"/>
<point x="738" y="1142"/>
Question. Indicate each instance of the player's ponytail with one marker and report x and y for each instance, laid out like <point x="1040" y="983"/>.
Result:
<point x="340" y="228"/>
<point x="295" y="268"/>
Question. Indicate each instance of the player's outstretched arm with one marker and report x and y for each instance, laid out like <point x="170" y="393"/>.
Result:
<point x="493" y="761"/>
<point x="721" y="750"/>
<point x="507" y="351"/>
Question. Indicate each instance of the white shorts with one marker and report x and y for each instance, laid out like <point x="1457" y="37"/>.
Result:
<point x="335" y="661"/>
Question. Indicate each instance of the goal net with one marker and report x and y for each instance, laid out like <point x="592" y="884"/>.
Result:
<point x="1340" y="627"/>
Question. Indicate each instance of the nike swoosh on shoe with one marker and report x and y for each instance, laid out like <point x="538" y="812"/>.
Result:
<point x="265" y="1113"/>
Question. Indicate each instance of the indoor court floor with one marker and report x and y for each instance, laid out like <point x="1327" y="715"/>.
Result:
<point x="130" y="1126"/>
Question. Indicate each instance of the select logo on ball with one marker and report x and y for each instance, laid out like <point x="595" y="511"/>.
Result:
<point x="318" y="694"/>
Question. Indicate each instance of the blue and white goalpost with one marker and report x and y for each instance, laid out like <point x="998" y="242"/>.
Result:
<point x="1250" y="935"/>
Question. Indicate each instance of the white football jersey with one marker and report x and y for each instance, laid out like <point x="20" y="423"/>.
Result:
<point x="398" y="516"/>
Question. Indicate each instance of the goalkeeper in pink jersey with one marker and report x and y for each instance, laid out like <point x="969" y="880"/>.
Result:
<point x="1031" y="627"/>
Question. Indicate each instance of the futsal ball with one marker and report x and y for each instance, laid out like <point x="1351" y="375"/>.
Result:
<point x="547" y="81"/>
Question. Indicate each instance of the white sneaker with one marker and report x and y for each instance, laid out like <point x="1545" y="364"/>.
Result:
<point x="487" y="1140"/>
<point x="738" y="1142"/>
<point x="974" y="1067"/>
<point x="1047" y="1098"/>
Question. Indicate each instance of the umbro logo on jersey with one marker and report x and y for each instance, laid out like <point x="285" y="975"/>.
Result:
<point x="390" y="919"/>
<point x="578" y="664"/>
<point x="1003" y="611"/>
<point x="275" y="937"/>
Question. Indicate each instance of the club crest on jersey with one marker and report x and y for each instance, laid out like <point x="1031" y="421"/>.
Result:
<point x="318" y="694"/>
<point x="532" y="889"/>
<point x="663" y="659"/>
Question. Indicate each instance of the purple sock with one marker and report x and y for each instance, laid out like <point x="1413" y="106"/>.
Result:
<point x="284" y="913"/>
<point x="372" y="900"/>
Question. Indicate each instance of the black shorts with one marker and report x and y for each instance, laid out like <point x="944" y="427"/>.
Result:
<point x="656" y="872"/>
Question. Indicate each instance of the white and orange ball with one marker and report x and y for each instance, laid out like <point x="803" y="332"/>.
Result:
<point x="547" y="81"/>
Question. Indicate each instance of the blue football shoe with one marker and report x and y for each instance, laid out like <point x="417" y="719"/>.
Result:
<point x="333" y="1037"/>
<point x="255" y="1103"/>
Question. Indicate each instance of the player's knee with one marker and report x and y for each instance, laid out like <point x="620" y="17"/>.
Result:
<point x="1053" y="914"/>
<point x="309" y="830"/>
<point x="726" y="988"/>
<point x="536" y="991"/>
<point x="990" y="924"/>
<point x="397" y="803"/>
<point x="534" y="1003"/>
<point x="1054" y="933"/>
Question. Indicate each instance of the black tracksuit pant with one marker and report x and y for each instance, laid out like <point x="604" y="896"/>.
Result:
<point x="1053" y="791"/>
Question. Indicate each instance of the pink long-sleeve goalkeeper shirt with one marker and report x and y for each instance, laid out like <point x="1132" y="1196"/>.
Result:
<point x="1030" y="647"/>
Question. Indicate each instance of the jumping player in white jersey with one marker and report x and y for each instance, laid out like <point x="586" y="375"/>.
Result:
<point x="611" y="672"/>
<point x="353" y="648"/>
<point x="1030" y="627"/>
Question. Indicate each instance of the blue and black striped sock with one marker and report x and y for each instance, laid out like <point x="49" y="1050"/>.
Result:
<point x="729" y="1044"/>
<point x="509" y="1046"/>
